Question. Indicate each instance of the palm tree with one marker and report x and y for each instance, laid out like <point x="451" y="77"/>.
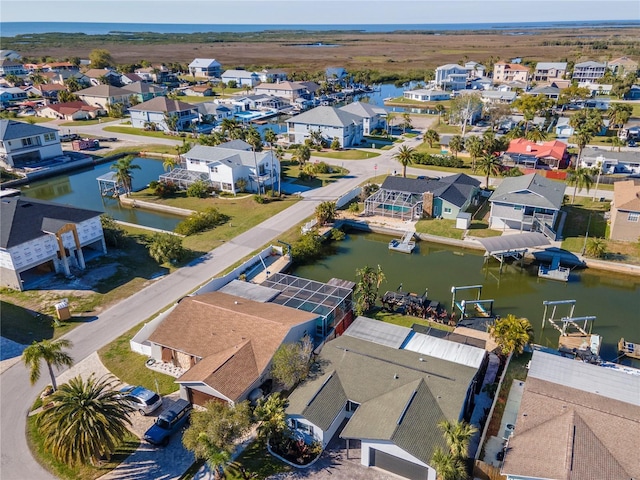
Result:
<point x="405" y="156"/>
<point x="458" y="436"/>
<point x="474" y="146"/>
<point x="123" y="169"/>
<point x="390" y="117"/>
<point x="596" y="247"/>
<point x="511" y="334"/>
<point x="456" y="144"/>
<point x="87" y="421"/>
<point x="316" y="138"/>
<point x="53" y="355"/>
<point x="447" y="466"/>
<point x="38" y="79"/>
<point x="617" y="142"/>
<point x="170" y="163"/>
<point x="440" y="110"/>
<point x="536" y="135"/>
<point x="431" y="136"/>
<point x="302" y="155"/>
<point x="579" y="178"/>
<point x="619" y="114"/>
<point x="271" y="413"/>
<point x="489" y="165"/>
<point x="222" y="87"/>
<point x="270" y="137"/>
<point x="255" y="140"/>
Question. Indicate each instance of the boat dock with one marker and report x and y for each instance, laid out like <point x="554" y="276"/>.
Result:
<point x="576" y="338"/>
<point x="404" y="245"/>
<point x="554" y="271"/>
<point x="628" y="349"/>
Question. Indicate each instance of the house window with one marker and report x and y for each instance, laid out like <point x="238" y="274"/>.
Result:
<point x="227" y="186"/>
<point x="447" y="210"/>
<point x="517" y="207"/>
<point x="634" y="216"/>
<point x="48" y="137"/>
<point x="26" y="142"/>
<point x="214" y="169"/>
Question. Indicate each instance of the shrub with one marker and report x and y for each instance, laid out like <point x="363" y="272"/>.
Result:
<point x="307" y="248"/>
<point x="438" y="160"/>
<point x="337" y="234"/>
<point x="200" y="221"/>
<point x="198" y="189"/>
<point x="165" y="247"/>
<point x="259" y="199"/>
<point x="322" y="167"/>
<point x="113" y="235"/>
<point x="368" y="190"/>
<point x="354" y="207"/>
<point x="162" y="189"/>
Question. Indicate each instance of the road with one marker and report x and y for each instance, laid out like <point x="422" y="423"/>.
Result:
<point x="16" y="394"/>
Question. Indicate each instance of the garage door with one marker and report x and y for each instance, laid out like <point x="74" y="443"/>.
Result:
<point x="200" y="398"/>
<point x="397" y="465"/>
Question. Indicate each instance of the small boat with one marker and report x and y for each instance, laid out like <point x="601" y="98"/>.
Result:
<point x="404" y="245"/>
<point x="554" y="271"/>
<point x="628" y="349"/>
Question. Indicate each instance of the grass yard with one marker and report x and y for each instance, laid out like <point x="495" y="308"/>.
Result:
<point x="33" y="119"/>
<point x="137" y="131"/>
<point x="136" y="149"/>
<point x="481" y="229"/>
<point x="84" y="123"/>
<point x="24" y="325"/>
<point x="256" y="461"/>
<point x="291" y="171"/>
<point x="447" y="129"/>
<point x="407" y="320"/>
<point x="85" y="472"/>
<point x="440" y="227"/>
<point x="346" y="154"/>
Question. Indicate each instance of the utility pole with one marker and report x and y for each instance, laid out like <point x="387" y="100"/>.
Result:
<point x="586" y="235"/>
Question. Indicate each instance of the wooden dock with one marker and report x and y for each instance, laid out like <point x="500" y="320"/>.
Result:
<point x="628" y="349"/>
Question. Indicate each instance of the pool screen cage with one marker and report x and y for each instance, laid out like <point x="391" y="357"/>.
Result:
<point x="394" y="204"/>
<point x="183" y="178"/>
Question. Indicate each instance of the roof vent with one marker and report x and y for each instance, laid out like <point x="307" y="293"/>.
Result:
<point x="395" y="375"/>
<point x="236" y="302"/>
<point x="421" y="359"/>
<point x="25" y="205"/>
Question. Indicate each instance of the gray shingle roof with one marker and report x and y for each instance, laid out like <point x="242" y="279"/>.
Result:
<point x="551" y="65"/>
<point x="23" y="219"/>
<point x="142" y="87"/>
<point x="364" y="110"/>
<point x="103" y="91"/>
<point x="162" y="104"/>
<point x="10" y="129"/>
<point x="226" y="155"/>
<point x="530" y="190"/>
<point x="455" y="189"/>
<point x="329" y="400"/>
<point x="625" y="156"/>
<point x="326" y="116"/>
<point x="204" y="62"/>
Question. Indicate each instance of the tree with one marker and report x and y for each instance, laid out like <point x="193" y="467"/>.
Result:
<point x="100" y="58"/>
<point x="52" y="353"/>
<point x="171" y="121"/>
<point x="530" y="105"/>
<point x="291" y="362"/>
<point x="325" y="212"/>
<point x="270" y="137"/>
<point x="464" y="108"/>
<point x="170" y="163"/>
<point x="242" y="183"/>
<point x="115" y="110"/>
<point x="367" y="286"/>
<point x="456" y="144"/>
<point x="198" y="189"/>
<point x="113" y="233"/>
<point x="572" y="94"/>
<point x="458" y="435"/>
<point x="617" y="142"/>
<point x="87" y="421"/>
<point x="489" y="164"/>
<point x="72" y="84"/>
<point x="511" y="334"/>
<point x="165" y="247"/>
<point x="315" y="136"/>
<point x="212" y="433"/>
<point x="271" y="413"/>
<point x="65" y="96"/>
<point x="497" y="113"/>
<point x="406" y="122"/>
<point x="619" y="114"/>
<point x="405" y="155"/>
<point x="38" y="79"/>
<point x="123" y="168"/>
<point x="474" y="146"/>
<point x="431" y="136"/>
<point x="223" y="86"/>
<point x="536" y="135"/>
<point x="302" y="154"/>
<point x="596" y="247"/>
<point x="447" y="466"/>
<point x="439" y="110"/>
<point x="335" y="144"/>
<point x="579" y="178"/>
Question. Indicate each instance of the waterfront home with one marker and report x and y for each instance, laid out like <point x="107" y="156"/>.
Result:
<point x="272" y="75"/>
<point x="10" y="54"/>
<point x="129" y="78"/>
<point x="552" y="154"/>
<point x="258" y="102"/>
<point x="588" y="71"/>
<point x="611" y="161"/>
<point x="336" y="75"/>
<point x="224" y="165"/>
<point x="11" y="67"/>
<point x="426" y="95"/>
<point x="373" y="118"/>
<point x="385" y="401"/>
<point x="224" y="343"/>
<point x="413" y="199"/>
<point x="549" y="91"/>
<point x="241" y="78"/>
<point x="205" y="67"/>
<point x="155" y="114"/>
<point x="104" y="95"/>
<point x="549" y="71"/>
<point x="143" y="91"/>
<point x="572" y="422"/>
<point x="625" y="211"/>
<point x="10" y="95"/>
<point x="526" y="203"/>
<point x="452" y="77"/>
<point x="510" y="72"/>
<point x="39" y="237"/>
<point x="76" y="110"/>
<point x="211" y="112"/>
<point x="23" y="144"/>
<point x="287" y="90"/>
<point x="331" y="122"/>
<point x="103" y="76"/>
<point x="199" y="90"/>
<point x="493" y="97"/>
<point x="622" y="66"/>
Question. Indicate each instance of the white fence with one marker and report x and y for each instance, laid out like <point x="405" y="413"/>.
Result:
<point x="139" y="343"/>
<point x="347" y="197"/>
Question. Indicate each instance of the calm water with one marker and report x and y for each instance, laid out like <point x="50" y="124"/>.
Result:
<point x="80" y="188"/>
<point x="613" y="299"/>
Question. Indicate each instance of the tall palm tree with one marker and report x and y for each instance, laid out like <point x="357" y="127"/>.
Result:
<point x="474" y="146"/>
<point x="390" y="117"/>
<point x="87" y="421"/>
<point x="123" y="168"/>
<point x="511" y="334"/>
<point x="431" y="136"/>
<point x="489" y="164"/>
<point x="270" y="137"/>
<point x="456" y="144"/>
<point x="440" y="110"/>
<point x="254" y="139"/>
<point x="458" y="436"/>
<point x="52" y="353"/>
<point x="617" y="142"/>
<point x="619" y="113"/>
<point x="405" y="155"/>
<point x="536" y="135"/>
<point x="447" y="466"/>
<point x="271" y="413"/>
<point x="170" y="163"/>
<point x="579" y="178"/>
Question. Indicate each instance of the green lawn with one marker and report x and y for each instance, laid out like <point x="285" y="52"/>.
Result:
<point x="25" y="326"/>
<point x="291" y="171"/>
<point x="447" y="129"/>
<point x="346" y="154"/>
<point x="142" y="133"/>
<point x="407" y="320"/>
<point x="257" y="461"/>
<point x="136" y="149"/>
<point x="85" y="472"/>
<point x="482" y="230"/>
<point x="440" y="227"/>
<point x="82" y="123"/>
<point x="34" y="119"/>
<point x="416" y="103"/>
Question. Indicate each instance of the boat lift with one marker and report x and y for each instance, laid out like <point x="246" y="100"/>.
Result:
<point x="484" y="308"/>
<point x="573" y="336"/>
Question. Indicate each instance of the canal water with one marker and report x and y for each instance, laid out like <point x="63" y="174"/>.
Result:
<point x="613" y="298"/>
<point x="80" y="189"/>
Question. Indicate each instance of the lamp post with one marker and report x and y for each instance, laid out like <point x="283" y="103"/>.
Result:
<point x="599" y="163"/>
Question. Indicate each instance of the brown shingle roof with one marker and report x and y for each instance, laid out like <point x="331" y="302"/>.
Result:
<point x="163" y="104"/>
<point x="626" y="195"/>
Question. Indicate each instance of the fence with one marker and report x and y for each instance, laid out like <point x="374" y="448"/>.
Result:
<point x="347" y="197"/>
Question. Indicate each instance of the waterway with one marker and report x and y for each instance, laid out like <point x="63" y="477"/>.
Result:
<point x="613" y="298"/>
<point x="80" y="189"/>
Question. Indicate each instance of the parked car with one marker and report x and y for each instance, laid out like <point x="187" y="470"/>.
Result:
<point x="143" y="400"/>
<point x="168" y="422"/>
<point x="632" y="143"/>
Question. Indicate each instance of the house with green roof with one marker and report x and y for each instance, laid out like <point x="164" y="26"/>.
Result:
<point x="389" y="399"/>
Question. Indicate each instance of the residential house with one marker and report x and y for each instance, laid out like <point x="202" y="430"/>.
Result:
<point x="205" y="67"/>
<point x="623" y="65"/>
<point x="158" y="74"/>
<point x="331" y="122"/>
<point x="312" y="88"/>
<point x="129" y="78"/>
<point x="373" y="118"/>
<point x="199" y="90"/>
<point x="633" y="93"/>
<point x="413" y="199"/>
<point x="272" y="75"/>
<point x="563" y="128"/>
<point x="76" y="110"/>
<point x="611" y="161"/>
<point x="143" y="91"/>
<point x="596" y="88"/>
<point x="258" y="102"/>
<point x="23" y="144"/>
<point x="510" y="72"/>
<point x="224" y="165"/>
<point x="50" y="91"/>
<point x="549" y="71"/>
<point x="336" y="75"/>
<point x="452" y="77"/>
<point x="63" y="76"/>
<point x="103" y="76"/>
<point x="288" y="90"/>
<point x="104" y="95"/>
<point x="390" y="398"/>
<point x="225" y="343"/>
<point x="625" y="211"/>
<point x="570" y="419"/>
<point x="512" y="121"/>
<point x="525" y="203"/>
<point x="492" y="97"/>
<point x="11" y="67"/>
<point x="10" y="54"/>
<point x="471" y="116"/>
<point x="11" y="94"/>
<point x="154" y="113"/>
<point x="39" y="237"/>
<point x="475" y="69"/>
<point x="60" y="67"/>
<point x="551" y="92"/>
<point x="425" y="95"/>
<point x="588" y="71"/>
<point x="211" y="112"/>
<point x="242" y="78"/>
<point x="552" y="154"/>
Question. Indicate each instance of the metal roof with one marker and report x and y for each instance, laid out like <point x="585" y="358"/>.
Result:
<point x="378" y="332"/>
<point x="518" y="241"/>
<point x="446" y="350"/>
<point x="250" y="291"/>
<point x="607" y="382"/>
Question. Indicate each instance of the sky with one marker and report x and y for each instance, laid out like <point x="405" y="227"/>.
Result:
<point x="316" y="11"/>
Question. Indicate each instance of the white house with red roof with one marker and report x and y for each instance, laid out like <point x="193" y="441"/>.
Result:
<point x="510" y="72"/>
<point x="77" y="110"/>
<point x="551" y="154"/>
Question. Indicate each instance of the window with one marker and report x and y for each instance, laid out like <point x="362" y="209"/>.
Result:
<point x="214" y="169"/>
<point x="49" y="137"/>
<point x="447" y="209"/>
<point x="517" y="207"/>
<point x="634" y="216"/>
<point x="26" y="142"/>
